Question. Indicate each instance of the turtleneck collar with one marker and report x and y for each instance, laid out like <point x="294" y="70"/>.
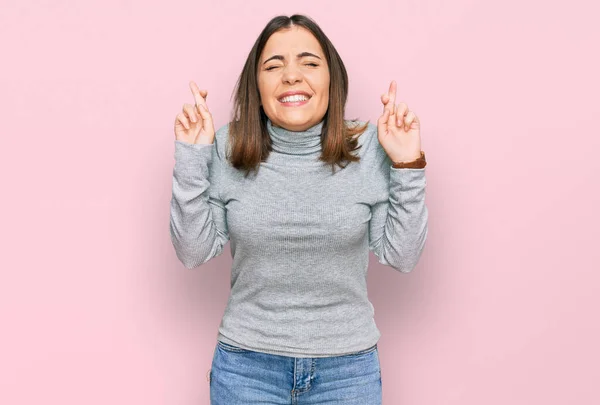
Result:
<point x="305" y="142"/>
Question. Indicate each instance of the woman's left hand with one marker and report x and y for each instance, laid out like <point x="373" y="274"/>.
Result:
<point x="398" y="129"/>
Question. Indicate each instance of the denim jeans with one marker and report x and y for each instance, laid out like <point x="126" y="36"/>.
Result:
<point x="240" y="376"/>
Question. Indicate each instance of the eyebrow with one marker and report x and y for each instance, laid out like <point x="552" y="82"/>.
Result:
<point x="300" y="55"/>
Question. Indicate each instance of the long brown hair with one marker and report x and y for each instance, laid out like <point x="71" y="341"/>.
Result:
<point x="250" y="139"/>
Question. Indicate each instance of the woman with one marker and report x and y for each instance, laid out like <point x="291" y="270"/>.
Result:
<point x="298" y="327"/>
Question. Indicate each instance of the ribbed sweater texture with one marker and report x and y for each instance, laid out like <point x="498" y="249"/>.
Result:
<point x="300" y="237"/>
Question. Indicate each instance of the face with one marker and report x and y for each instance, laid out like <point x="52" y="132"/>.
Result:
<point x="293" y="61"/>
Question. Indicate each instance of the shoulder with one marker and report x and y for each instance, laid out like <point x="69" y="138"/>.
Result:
<point x="371" y="149"/>
<point x="222" y="140"/>
<point x="222" y="133"/>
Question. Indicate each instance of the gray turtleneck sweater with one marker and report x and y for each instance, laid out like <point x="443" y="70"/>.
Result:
<point x="300" y="237"/>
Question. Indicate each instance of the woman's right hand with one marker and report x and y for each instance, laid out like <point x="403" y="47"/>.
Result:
<point x="194" y="124"/>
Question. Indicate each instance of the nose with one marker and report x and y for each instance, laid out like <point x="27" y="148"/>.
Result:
<point x="291" y="75"/>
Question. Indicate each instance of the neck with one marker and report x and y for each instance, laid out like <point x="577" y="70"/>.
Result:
<point x="304" y="142"/>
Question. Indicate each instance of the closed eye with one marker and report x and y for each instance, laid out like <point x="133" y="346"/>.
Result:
<point x="308" y="64"/>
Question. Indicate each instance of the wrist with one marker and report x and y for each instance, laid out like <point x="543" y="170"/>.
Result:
<point x="418" y="163"/>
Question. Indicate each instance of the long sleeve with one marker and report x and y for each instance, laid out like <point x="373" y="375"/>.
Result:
<point x="398" y="225"/>
<point x="198" y="224"/>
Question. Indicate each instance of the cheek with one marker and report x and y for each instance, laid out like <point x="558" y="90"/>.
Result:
<point x="264" y="88"/>
<point x="324" y="90"/>
<point x="322" y="84"/>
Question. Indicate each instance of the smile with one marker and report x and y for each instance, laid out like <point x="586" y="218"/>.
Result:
<point x="295" y="100"/>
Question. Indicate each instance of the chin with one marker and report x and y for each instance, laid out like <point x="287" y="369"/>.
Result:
<point x="296" y="119"/>
<point x="296" y="125"/>
<point x="293" y="118"/>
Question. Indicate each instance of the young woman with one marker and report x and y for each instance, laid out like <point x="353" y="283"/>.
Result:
<point x="298" y="326"/>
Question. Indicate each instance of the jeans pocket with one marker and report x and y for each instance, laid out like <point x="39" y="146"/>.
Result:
<point x="231" y="348"/>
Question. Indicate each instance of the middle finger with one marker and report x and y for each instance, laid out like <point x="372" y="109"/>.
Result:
<point x="392" y="97"/>
<point x="197" y="96"/>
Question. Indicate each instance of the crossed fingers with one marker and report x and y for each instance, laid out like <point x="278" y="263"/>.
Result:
<point x="397" y="114"/>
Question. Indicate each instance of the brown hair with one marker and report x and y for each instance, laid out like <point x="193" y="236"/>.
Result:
<point x="250" y="139"/>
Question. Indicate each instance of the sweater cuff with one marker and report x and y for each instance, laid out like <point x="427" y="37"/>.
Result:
<point x="419" y="163"/>
<point x="188" y="151"/>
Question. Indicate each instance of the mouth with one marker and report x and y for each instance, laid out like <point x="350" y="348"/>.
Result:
<point x="294" y="100"/>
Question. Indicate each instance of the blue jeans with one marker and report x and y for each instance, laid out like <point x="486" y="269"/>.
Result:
<point x="240" y="376"/>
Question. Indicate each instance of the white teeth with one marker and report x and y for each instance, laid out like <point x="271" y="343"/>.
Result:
<point x="294" y="98"/>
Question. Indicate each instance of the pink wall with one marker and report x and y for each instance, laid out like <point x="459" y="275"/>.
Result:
<point x="503" y="306"/>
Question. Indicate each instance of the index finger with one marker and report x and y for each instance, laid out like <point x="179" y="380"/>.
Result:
<point x="197" y="96"/>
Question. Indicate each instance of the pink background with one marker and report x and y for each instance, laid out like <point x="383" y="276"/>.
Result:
<point x="95" y="308"/>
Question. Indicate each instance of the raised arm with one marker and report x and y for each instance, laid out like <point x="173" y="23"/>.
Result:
<point x="198" y="224"/>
